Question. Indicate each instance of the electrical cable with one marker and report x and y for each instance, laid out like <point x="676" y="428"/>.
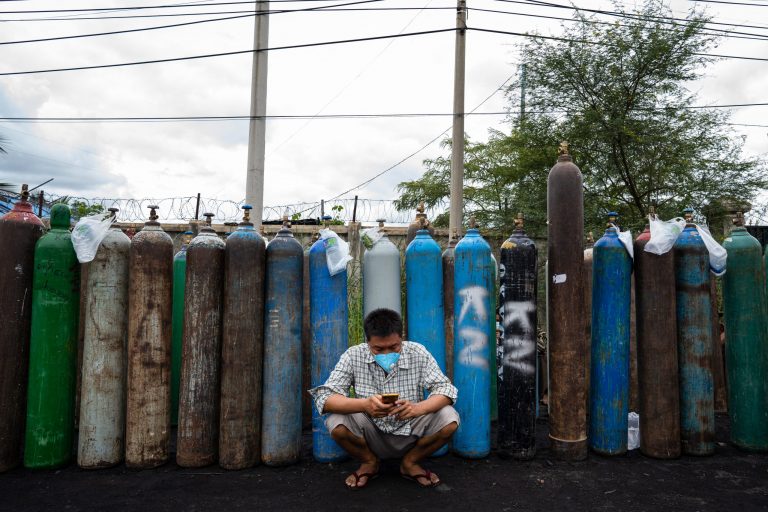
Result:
<point x="622" y="14"/>
<point x="584" y="41"/>
<point x="225" y="54"/>
<point x="196" y="22"/>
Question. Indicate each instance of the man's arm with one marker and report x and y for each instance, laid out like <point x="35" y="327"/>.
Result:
<point x="441" y="393"/>
<point x="372" y="406"/>
<point x="405" y="409"/>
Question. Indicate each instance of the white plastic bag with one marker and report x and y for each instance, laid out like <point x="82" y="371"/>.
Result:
<point x="336" y="251"/>
<point x="625" y="237"/>
<point x="717" y="253"/>
<point x="88" y="234"/>
<point x="663" y="234"/>
<point x="371" y="236"/>
<point x="633" y="431"/>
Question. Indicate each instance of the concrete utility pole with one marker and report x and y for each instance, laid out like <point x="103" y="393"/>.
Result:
<point x="254" y="180"/>
<point x="457" y="150"/>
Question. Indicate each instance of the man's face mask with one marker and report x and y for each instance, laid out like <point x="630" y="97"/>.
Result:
<point x="387" y="361"/>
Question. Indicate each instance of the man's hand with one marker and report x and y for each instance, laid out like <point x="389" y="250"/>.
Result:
<point x="404" y="409"/>
<point x="375" y="408"/>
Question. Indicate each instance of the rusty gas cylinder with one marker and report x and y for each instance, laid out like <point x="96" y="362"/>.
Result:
<point x="148" y="398"/>
<point x="198" y="435"/>
<point x="242" y="347"/>
<point x="567" y="359"/>
<point x="657" y="351"/>
<point x="19" y="231"/>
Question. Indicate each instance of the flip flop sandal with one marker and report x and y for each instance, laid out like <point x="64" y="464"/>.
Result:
<point x="427" y="475"/>
<point x="358" y="476"/>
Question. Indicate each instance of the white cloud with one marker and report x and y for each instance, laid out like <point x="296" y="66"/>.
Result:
<point x="304" y="163"/>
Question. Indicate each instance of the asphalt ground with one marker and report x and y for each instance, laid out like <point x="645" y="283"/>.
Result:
<point x="731" y="480"/>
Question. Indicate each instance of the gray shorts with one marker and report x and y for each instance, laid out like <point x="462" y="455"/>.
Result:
<point x="392" y="446"/>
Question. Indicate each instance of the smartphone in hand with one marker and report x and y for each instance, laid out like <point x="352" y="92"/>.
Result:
<point x="389" y="398"/>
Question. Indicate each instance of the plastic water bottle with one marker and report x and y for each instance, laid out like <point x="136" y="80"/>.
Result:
<point x="633" y="431"/>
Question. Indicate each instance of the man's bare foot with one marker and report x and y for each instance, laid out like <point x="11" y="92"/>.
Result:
<point x="423" y="477"/>
<point x="364" y="474"/>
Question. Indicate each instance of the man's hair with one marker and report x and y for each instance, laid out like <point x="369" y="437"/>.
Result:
<point x="382" y="322"/>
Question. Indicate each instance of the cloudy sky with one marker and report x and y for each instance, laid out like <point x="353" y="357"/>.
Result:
<point x="306" y="160"/>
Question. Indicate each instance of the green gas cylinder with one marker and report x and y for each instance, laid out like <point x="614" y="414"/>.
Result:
<point x="53" y="347"/>
<point x="746" y="339"/>
<point x="177" y="322"/>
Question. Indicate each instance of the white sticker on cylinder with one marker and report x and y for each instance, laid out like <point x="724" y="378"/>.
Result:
<point x="559" y="278"/>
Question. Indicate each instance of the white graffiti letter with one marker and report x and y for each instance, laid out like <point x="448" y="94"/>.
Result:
<point x="473" y="296"/>
<point x="519" y="313"/>
<point x="475" y="352"/>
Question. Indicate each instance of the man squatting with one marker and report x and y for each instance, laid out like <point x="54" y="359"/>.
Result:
<point x="411" y="428"/>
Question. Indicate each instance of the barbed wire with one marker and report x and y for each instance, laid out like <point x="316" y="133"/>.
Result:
<point x="182" y="209"/>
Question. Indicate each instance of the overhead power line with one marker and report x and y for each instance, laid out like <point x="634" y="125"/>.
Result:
<point x="340" y="41"/>
<point x="586" y="41"/>
<point x="473" y="112"/>
<point x="148" y="7"/>
<point x="225" y="54"/>
<point x="617" y="14"/>
<point x="187" y="23"/>
<point x="160" y="119"/>
<point x="731" y="3"/>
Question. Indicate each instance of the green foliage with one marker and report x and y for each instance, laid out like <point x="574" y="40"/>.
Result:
<point x="628" y="118"/>
<point x="80" y="208"/>
<point x="616" y="93"/>
<point x="337" y="220"/>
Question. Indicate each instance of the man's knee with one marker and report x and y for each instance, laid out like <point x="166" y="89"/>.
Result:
<point x="340" y="433"/>
<point x="447" y="431"/>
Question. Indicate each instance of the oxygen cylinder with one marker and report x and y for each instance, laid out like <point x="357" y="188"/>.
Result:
<point x="657" y="351"/>
<point x="424" y="295"/>
<point x="150" y="295"/>
<point x="381" y="276"/>
<point x="609" y="382"/>
<point x="53" y="347"/>
<point x="746" y="345"/>
<point x="567" y="360"/>
<point x="19" y="231"/>
<point x="242" y="347"/>
<point x="448" y="271"/>
<point x="424" y="298"/>
<point x="198" y="434"/>
<point x="471" y="371"/>
<point x="328" y="325"/>
<point x="177" y="328"/>
<point x="694" y="341"/>
<point x="101" y="429"/>
<point x="517" y="358"/>
<point x="281" y="429"/>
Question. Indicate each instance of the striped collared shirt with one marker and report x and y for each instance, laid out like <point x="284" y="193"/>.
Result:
<point x="416" y="371"/>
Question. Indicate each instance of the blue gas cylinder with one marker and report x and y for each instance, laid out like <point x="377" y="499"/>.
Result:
<point x="694" y="341"/>
<point x="609" y="381"/>
<point x="472" y="307"/>
<point x="282" y="393"/>
<point x="328" y="323"/>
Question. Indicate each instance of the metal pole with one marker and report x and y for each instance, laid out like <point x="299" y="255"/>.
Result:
<point x="457" y="150"/>
<point x="354" y="211"/>
<point x="254" y="181"/>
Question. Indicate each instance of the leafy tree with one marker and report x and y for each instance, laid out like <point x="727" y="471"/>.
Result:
<point x="617" y="93"/>
<point x="80" y="208"/>
<point x="496" y="178"/>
